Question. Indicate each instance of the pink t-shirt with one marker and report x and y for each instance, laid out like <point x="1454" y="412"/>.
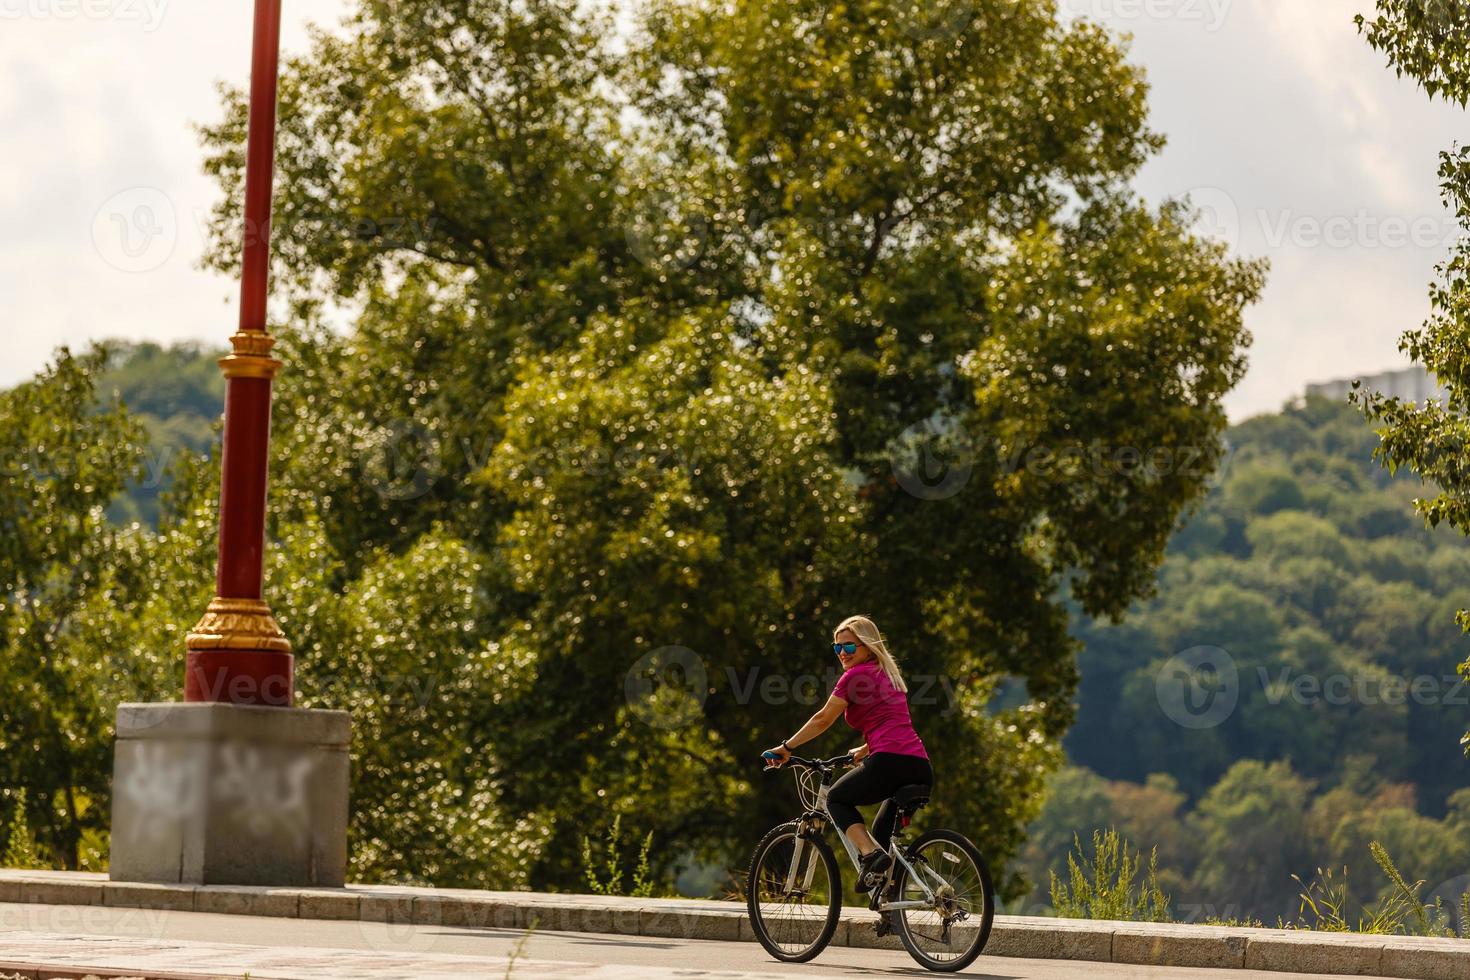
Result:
<point x="878" y="709"/>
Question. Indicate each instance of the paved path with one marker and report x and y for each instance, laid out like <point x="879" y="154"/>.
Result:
<point x="149" y="943"/>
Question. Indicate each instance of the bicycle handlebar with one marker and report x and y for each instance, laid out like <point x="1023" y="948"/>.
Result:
<point x="818" y="764"/>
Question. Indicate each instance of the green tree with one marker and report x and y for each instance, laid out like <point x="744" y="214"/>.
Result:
<point x="1250" y="827"/>
<point x="63" y="462"/>
<point x="1337" y="612"/>
<point x="176" y="394"/>
<point x="398" y="650"/>
<point x="1427" y="39"/>
<point x="673" y="377"/>
<point x="1077" y="803"/>
<point x="1080" y="804"/>
<point x="1263" y="490"/>
<point x="1287" y="535"/>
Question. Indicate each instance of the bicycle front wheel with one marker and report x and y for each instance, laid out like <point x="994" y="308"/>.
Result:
<point x="794" y="894"/>
<point x="953" y="927"/>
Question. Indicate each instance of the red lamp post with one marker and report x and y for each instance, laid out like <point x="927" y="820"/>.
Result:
<point x="237" y="653"/>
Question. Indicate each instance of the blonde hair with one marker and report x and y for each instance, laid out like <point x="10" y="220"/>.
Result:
<point x="867" y="632"/>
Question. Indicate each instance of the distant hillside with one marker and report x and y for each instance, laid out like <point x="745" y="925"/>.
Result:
<point x="178" y="394"/>
<point x="1330" y="711"/>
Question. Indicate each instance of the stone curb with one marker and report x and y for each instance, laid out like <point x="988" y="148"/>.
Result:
<point x="31" y="972"/>
<point x="1143" y="944"/>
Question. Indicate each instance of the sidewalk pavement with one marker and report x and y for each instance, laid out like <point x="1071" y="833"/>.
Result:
<point x="1015" y="936"/>
<point x="49" y="956"/>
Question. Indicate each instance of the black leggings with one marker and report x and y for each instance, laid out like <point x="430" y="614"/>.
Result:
<point x="880" y="775"/>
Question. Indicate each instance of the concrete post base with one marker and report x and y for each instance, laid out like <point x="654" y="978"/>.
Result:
<point x="222" y="794"/>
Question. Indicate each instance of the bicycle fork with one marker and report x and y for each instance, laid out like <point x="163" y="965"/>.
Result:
<point x="797" y="850"/>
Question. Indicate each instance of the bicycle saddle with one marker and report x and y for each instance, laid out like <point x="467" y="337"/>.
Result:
<point x="910" y="798"/>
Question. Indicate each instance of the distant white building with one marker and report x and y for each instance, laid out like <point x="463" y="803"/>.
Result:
<point x="1413" y="384"/>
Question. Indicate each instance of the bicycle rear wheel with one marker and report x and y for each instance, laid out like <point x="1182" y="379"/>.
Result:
<point x="794" y="896"/>
<point x="952" y="931"/>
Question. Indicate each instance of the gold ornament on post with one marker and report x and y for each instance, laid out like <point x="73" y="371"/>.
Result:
<point x="251" y="356"/>
<point x="238" y="624"/>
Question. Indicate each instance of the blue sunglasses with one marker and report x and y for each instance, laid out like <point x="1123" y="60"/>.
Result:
<point x="847" y="648"/>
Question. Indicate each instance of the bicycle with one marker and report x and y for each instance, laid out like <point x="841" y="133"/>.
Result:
<point x="936" y="891"/>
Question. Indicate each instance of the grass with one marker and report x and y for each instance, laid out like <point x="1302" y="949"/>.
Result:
<point x="1107" y="885"/>
<point x="642" y="883"/>
<point x="1102" y="887"/>
<point x="519" y="949"/>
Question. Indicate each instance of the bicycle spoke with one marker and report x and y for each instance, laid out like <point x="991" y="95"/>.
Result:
<point x="793" y="920"/>
<point x="949" y="927"/>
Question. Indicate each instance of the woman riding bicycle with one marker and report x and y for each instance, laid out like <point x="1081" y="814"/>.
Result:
<point x="870" y="695"/>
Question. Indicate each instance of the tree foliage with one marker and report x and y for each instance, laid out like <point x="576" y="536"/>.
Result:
<point x="1249" y="847"/>
<point x="1331" y="612"/>
<point x="64" y="461"/>
<point x="1427" y="39"/>
<point x="176" y="394"/>
<point x="1337" y="622"/>
<point x="649" y="333"/>
<point x="656" y="352"/>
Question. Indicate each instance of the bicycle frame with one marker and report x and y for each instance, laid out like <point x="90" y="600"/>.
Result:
<point x="894" y="851"/>
<point x="773" y="889"/>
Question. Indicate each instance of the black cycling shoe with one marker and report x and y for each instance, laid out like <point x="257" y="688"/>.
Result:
<point x="889" y="895"/>
<point x="884" y="925"/>
<point x="874" y="866"/>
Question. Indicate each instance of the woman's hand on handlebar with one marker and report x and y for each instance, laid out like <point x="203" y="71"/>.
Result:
<point x="860" y="753"/>
<point x="776" y="757"/>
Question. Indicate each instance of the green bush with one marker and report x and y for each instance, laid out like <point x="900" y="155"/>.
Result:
<point x="612" y="863"/>
<point x="1103" y="887"/>
<point x="21" y="849"/>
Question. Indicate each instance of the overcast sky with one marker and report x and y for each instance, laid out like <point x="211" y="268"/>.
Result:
<point x="1291" y="133"/>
